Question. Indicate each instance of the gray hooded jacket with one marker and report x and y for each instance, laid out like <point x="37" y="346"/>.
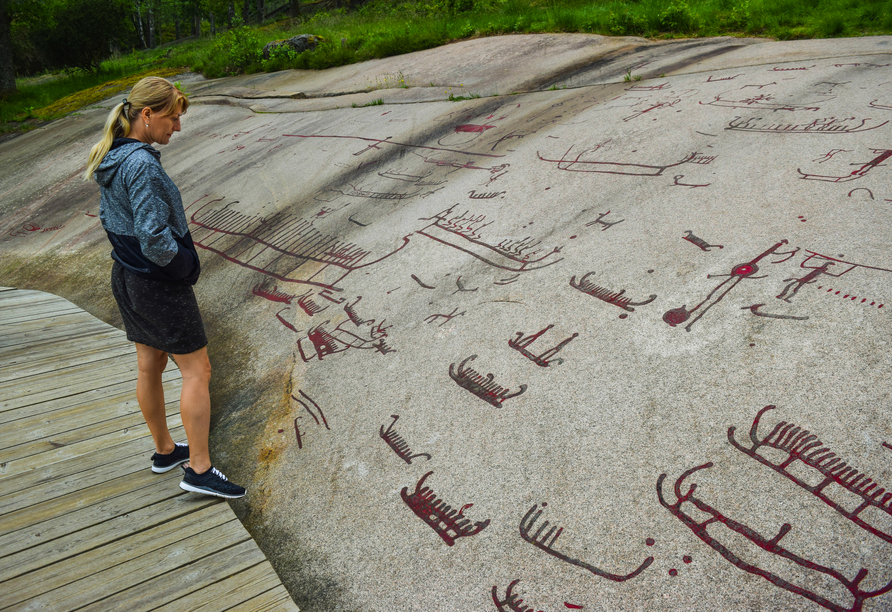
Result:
<point x="142" y="213"/>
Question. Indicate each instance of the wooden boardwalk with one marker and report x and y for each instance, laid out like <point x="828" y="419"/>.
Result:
<point x="84" y="522"/>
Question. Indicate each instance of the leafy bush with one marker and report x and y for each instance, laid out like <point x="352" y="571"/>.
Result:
<point x="627" y="23"/>
<point x="678" y="17"/>
<point x="240" y="48"/>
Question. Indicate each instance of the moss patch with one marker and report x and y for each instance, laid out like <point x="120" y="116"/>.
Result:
<point x="78" y="100"/>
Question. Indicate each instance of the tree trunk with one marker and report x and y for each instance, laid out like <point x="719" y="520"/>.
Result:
<point x="213" y="24"/>
<point x="294" y="8"/>
<point x="137" y="21"/>
<point x="260" y="11"/>
<point x="179" y="32"/>
<point x="151" y="24"/>
<point x="196" y="25"/>
<point x="7" y="67"/>
<point x="246" y="11"/>
<point x="231" y="12"/>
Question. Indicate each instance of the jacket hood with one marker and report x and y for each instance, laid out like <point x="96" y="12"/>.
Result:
<point x="121" y="149"/>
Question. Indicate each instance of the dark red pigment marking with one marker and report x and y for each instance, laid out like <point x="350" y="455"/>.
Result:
<point x="341" y="339"/>
<point x="545" y="541"/>
<point x="284" y="322"/>
<point x="279" y="246"/>
<point x="305" y="301"/>
<point x="461" y="287"/>
<point x="376" y="141"/>
<point x="816" y="271"/>
<point x="462" y="232"/>
<point x="755" y="310"/>
<point x="772" y="546"/>
<point x="677" y="182"/>
<point x="600" y="221"/>
<point x="695" y="240"/>
<point x="881" y="156"/>
<point x="686" y="559"/>
<point x="649" y="541"/>
<point x="521" y="344"/>
<point x="801" y="445"/>
<point x="887" y="445"/>
<point x="274" y="295"/>
<point x="448" y="523"/>
<point x="512" y="601"/>
<point x="673" y="572"/>
<point x="485" y="195"/>
<point x="869" y="192"/>
<point x="853" y="298"/>
<point x="483" y="387"/>
<point x="802" y="219"/>
<point x="569" y="163"/>
<point x="827" y="125"/>
<point x="397" y="443"/>
<point x="306" y="406"/>
<point x="709" y="79"/>
<point x="606" y="295"/>
<point x="468" y="127"/>
<point x="572" y="606"/>
<point x="677" y="316"/>
<point x="763" y="102"/>
<point x="446" y="317"/>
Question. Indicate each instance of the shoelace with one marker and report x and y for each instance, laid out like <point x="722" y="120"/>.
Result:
<point x="218" y="473"/>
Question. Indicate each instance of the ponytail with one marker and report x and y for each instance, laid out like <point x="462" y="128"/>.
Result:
<point x="155" y="93"/>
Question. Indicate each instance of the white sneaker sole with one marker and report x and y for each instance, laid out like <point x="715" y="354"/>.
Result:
<point x="185" y="486"/>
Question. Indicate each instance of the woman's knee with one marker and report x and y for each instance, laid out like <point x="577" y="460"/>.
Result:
<point x="195" y="365"/>
<point x="150" y="360"/>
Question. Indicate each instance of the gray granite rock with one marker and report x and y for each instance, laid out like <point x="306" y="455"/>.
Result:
<point x="438" y="327"/>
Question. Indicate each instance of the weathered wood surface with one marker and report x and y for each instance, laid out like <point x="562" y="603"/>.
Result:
<point x="84" y="523"/>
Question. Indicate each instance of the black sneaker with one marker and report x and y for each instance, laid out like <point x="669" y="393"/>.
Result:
<point x="165" y="463"/>
<point x="212" y="482"/>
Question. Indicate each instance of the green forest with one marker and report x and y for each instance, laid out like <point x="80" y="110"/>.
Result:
<point x="52" y="49"/>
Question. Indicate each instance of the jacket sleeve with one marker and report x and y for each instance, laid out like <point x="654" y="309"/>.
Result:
<point x="146" y="185"/>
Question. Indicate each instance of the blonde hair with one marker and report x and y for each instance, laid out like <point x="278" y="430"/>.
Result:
<point x="155" y="93"/>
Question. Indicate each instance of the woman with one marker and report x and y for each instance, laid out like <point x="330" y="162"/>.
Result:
<point x="155" y="266"/>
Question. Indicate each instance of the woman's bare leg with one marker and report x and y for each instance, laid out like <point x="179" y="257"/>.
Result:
<point x="150" y="395"/>
<point x="195" y="406"/>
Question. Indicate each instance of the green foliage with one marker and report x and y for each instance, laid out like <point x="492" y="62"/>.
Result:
<point x="240" y="48"/>
<point x="83" y="32"/>
<point x="678" y="17"/>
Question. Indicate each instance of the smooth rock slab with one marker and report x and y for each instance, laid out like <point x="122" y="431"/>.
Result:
<point x="537" y="304"/>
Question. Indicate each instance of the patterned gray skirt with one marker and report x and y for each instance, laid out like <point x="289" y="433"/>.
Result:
<point x="159" y="314"/>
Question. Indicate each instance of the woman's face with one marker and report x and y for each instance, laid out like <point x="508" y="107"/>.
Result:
<point x="162" y="127"/>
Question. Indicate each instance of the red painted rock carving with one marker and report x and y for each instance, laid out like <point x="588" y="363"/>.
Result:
<point x="881" y="156"/>
<point x="616" y="298"/>
<point x="397" y="443"/>
<point x="544" y="360"/>
<point x="677" y="316"/>
<point x="483" y="387"/>
<point x="448" y="523"/>
<point x="545" y="541"/>
<point x="826" y="125"/>
<point x="463" y="232"/>
<point x="804" y="447"/>
<point x="772" y="545"/>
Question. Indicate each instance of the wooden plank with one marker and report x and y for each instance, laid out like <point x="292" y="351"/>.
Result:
<point x="274" y="600"/>
<point x="36" y="316"/>
<point x="36" y="321"/>
<point x="71" y="443"/>
<point x="64" y="572"/>
<point x="34" y="470"/>
<point x="42" y="555"/>
<point x="111" y="573"/>
<point x="172" y="586"/>
<point x="70" y="350"/>
<point x="231" y="591"/>
<point x="164" y="487"/>
<point x="117" y="380"/>
<point x="65" y="384"/>
<point x="47" y="331"/>
<point x="52" y="423"/>
<point x="27" y="296"/>
<point x="73" y="350"/>
<point x="77" y="491"/>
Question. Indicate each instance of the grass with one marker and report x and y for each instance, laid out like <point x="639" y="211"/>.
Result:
<point x="383" y="28"/>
